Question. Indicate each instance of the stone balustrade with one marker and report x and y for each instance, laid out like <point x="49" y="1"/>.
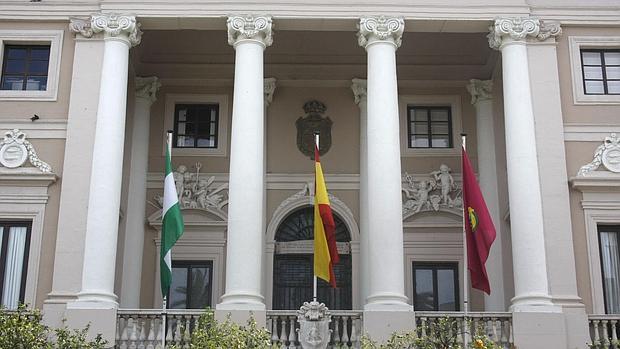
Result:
<point x="604" y="331"/>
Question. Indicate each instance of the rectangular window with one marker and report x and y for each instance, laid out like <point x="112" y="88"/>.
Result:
<point x="435" y="286"/>
<point x="25" y="67"/>
<point x="429" y="127"/>
<point x="609" y="242"/>
<point x="15" y="243"/>
<point x="191" y="285"/>
<point x="196" y="125"/>
<point x="601" y="71"/>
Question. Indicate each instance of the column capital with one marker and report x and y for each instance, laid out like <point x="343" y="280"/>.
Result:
<point x="118" y="27"/>
<point x="380" y="28"/>
<point x="519" y="29"/>
<point x="480" y="90"/>
<point x="81" y="26"/>
<point x="359" y="89"/>
<point x="249" y="27"/>
<point x="269" y="89"/>
<point x="147" y="87"/>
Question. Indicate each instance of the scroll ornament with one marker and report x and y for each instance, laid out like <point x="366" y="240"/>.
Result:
<point x="606" y="154"/>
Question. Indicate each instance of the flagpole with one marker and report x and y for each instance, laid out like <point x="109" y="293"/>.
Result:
<point x="163" y="306"/>
<point x="314" y="280"/>
<point x="465" y="267"/>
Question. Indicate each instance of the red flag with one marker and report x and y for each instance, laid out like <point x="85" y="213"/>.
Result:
<point x="479" y="228"/>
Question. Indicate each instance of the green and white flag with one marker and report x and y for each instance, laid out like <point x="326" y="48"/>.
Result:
<point x="172" y="226"/>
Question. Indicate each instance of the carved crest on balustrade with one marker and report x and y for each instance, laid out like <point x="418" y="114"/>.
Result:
<point x="198" y="191"/>
<point x="314" y="319"/>
<point x="15" y="149"/>
<point x="606" y="154"/>
<point x="314" y="122"/>
<point x="435" y="192"/>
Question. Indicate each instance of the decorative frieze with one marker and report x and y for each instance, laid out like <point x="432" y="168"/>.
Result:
<point x="117" y="26"/>
<point x="607" y="154"/>
<point x="15" y="149"/>
<point x="372" y="29"/>
<point x="480" y="90"/>
<point x="439" y="192"/>
<point x="197" y="191"/>
<point x="519" y="28"/>
<point x="147" y="88"/>
<point x="359" y="88"/>
<point x="249" y="28"/>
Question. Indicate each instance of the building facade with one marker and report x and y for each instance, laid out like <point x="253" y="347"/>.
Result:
<point x="89" y="89"/>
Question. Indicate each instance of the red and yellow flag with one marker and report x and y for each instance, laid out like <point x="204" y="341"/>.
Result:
<point x="479" y="228"/>
<point x="325" y="250"/>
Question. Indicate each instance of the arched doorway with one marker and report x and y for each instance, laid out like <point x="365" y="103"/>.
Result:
<point x="293" y="264"/>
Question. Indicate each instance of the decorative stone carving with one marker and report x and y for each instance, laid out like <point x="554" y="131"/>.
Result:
<point x="438" y="192"/>
<point x="607" y="154"/>
<point x="519" y="28"/>
<point x="114" y="25"/>
<point x="15" y="148"/>
<point x="480" y="90"/>
<point x="359" y="90"/>
<point x="249" y="28"/>
<point x="381" y="28"/>
<point x="314" y="319"/>
<point x="147" y="88"/>
<point x="269" y="89"/>
<point x="314" y="122"/>
<point x="81" y="26"/>
<point x="197" y="191"/>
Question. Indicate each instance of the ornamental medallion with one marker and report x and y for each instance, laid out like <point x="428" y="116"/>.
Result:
<point x="314" y="123"/>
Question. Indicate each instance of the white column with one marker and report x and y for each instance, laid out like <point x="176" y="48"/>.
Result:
<point x="145" y="95"/>
<point x="482" y="99"/>
<point x="526" y="217"/>
<point x="359" y="92"/>
<point x="120" y="33"/>
<point x="269" y="87"/>
<point x="381" y="36"/>
<point x="244" y="250"/>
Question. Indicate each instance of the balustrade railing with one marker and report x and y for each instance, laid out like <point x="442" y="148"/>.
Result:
<point x="497" y="326"/>
<point x="604" y="331"/>
<point x="346" y="328"/>
<point x="142" y="328"/>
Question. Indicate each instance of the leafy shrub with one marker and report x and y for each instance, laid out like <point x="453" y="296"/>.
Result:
<point x="441" y="334"/>
<point x="22" y="329"/>
<point x="211" y="334"/>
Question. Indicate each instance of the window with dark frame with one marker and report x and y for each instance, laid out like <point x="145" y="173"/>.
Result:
<point x="192" y="285"/>
<point x="609" y="245"/>
<point x="601" y="71"/>
<point x="14" y="249"/>
<point x="429" y="126"/>
<point x="196" y="125"/>
<point x="25" y="67"/>
<point x="436" y="286"/>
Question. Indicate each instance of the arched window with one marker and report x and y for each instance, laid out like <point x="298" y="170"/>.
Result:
<point x="293" y="264"/>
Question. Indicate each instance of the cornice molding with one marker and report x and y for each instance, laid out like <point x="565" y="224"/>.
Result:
<point x="518" y="29"/>
<point x="249" y="27"/>
<point x="380" y="29"/>
<point x="480" y="90"/>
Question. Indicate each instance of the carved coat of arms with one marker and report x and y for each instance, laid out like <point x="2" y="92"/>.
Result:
<point x="311" y="124"/>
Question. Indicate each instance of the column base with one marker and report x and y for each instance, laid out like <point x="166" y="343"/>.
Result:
<point x="100" y="316"/>
<point x="537" y="303"/>
<point x="242" y="301"/>
<point x="576" y="318"/>
<point x="387" y="302"/>
<point x="96" y="299"/>
<point x="379" y="325"/>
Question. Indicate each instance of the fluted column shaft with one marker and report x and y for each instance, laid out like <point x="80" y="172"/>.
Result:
<point x="244" y="250"/>
<point x="146" y="89"/>
<point x="120" y="33"/>
<point x="526" y="216"/>
<point x="381" y="37"/>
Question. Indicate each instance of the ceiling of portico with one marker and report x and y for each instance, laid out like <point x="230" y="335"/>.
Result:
<point x="332" y="55"/>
